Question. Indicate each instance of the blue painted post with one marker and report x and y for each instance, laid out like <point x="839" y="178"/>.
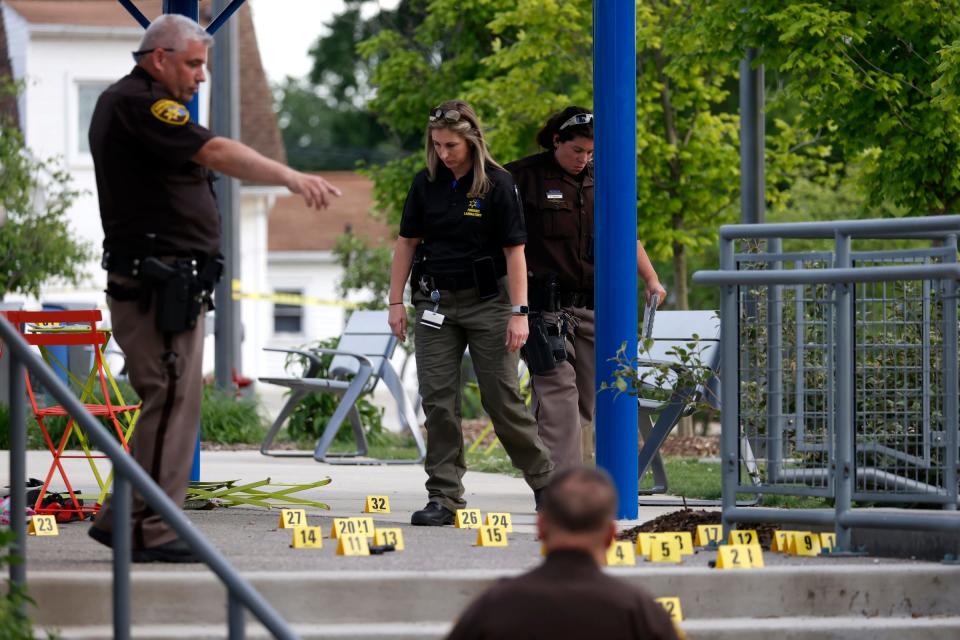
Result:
<point x="191" y="9"/>
<point x="615" y="109"/>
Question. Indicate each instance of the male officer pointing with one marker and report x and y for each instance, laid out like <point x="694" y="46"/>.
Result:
<point x="161" y="252"/>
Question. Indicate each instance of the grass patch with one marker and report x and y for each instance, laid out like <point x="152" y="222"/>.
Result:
<point x="384" y="445"/>
<point x="690" y="478"/>
<point x="497" y="461"/>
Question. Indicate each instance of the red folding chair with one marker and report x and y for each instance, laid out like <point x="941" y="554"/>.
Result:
<point x="44" y="329"/>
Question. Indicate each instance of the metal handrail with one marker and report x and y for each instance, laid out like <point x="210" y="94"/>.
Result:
<point x="128" y="474"/>
<point x="921" y="227"/>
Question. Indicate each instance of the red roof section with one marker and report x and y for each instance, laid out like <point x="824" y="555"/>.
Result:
<point x="294" y="227"/>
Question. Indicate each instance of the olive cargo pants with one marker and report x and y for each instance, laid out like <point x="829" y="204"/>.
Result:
<point x="480" y="325"/>
<point x="166" y="431"/>
<point x="564" y="399"/>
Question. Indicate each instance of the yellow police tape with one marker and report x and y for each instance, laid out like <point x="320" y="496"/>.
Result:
<point x="288" y="298"/>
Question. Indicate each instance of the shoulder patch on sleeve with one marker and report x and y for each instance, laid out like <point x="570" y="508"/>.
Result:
<point x="170" y="112"/>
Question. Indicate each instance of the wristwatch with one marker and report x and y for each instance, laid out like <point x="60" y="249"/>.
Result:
<point x="520" y="309"/>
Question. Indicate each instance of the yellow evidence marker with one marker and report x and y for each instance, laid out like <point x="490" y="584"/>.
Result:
<point x="805" y="543"/>
<point x="43" y="526"/>
<point x="828" y="541"/>
<point x="490" y="536"/>
<point x="290" y="518"/>
<point x="352" y="544"/>
<point x="500" y="519"/>
<point x="781" y="541"/>
<point x="620" y="554"/>
<point x="683" y="538"/>
<point x="307" y="538"/>
<point x="389" y="536"/>
<point x="644" y="542"/>
<point x="744" y="536"/>
<point x="739" y="556"/>
<point x="672" y="605"/>
<point x="365" y="526"/>
<point x="708" y="534"/>
<point x="664" y="549"/>
<point x="468" y="519"/>
<point x="342" y="526"/>
<point x="377" y="504"/>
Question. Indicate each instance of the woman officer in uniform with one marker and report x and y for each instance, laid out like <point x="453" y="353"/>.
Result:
<point x="556" y="187"/>
<point x="463" y="221"/>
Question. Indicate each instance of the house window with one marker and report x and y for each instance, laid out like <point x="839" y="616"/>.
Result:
<point x="87" y="94"/>
<point x="288" y="318"/>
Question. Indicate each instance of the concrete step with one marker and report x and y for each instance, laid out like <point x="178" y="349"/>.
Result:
<point x="78" y="600"/>
<point x="795" y="628"/>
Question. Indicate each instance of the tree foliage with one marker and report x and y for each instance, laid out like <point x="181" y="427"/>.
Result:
<point x="322" y="135"/>
<point x="878" y="78"/>
<point x="519" y="61"/>
<point x="36" y="242"/>
<point x="365" y="269"/>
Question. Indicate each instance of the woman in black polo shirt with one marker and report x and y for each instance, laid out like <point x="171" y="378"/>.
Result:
<point x="463" y="221"/>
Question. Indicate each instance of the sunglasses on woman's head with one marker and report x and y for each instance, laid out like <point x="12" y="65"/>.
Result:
<point x="580" y="118"/>
<point x="450" y="115"/>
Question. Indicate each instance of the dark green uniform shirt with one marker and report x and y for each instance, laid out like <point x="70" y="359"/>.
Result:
<point x="142" y="141"/>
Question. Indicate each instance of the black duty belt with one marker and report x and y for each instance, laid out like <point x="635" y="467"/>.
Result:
<point x="576" y="299"/>
<point x="452" y="282"/>
<point x="131" y="266"/>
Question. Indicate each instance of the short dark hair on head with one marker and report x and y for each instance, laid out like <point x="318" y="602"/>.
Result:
<point x="580" y="499"/>
<point x="545" y="136"/>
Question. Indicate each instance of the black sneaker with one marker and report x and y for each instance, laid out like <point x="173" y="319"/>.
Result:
<point x="433" y="515"/>
<point x="174" y="551"/>
<point x="103" y="537"/>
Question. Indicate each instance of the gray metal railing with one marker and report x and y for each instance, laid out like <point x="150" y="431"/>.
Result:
<point x="128" y="475"/>
<point x="840" y="367"/>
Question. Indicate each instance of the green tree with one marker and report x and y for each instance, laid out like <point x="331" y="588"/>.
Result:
<point x="878" y="78"/>
<point x="519" y="61"/>
<point x="365" y="269"/>
<point x="322" y="135"/>
<point x="36" y="242"/>
<point x="324" y="119"/>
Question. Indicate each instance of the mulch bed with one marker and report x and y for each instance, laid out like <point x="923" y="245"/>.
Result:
<point x="688" y="520"/>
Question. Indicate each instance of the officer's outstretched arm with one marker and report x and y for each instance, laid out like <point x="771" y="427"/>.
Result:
<point x="240" y="161"/>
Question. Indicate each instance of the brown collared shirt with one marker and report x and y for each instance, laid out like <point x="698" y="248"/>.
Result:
<point x="142" y="142"/>
<point x="558" y="209"/>
<point x="568" y="596"/>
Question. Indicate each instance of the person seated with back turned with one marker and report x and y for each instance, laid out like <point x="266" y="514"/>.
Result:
<point x="569" y="595"/>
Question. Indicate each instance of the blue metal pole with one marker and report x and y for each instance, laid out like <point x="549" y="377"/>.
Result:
<point x="191" y="9"/>
<point x="615" y="109"/>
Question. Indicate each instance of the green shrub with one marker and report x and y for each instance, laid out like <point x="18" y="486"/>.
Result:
<point x="313" y="413"/>
<point x="227" y="419"/>
<point x="14" y="625"/>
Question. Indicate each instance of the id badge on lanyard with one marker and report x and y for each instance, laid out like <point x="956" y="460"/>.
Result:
<point x="433" y="319"/>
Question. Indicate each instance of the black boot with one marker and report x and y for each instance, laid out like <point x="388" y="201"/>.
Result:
<point x="538" y="496"/>
<point x="433" y="515"/>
